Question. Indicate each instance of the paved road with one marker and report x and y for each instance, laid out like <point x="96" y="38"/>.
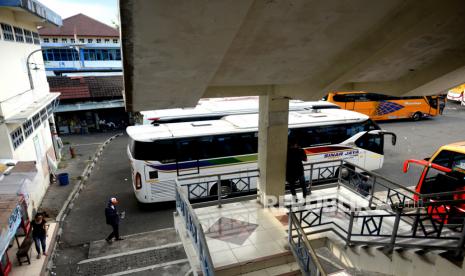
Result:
<point x="86" y="221"/>
<point x="111" y="177"/>
<point x="421" y="139"/>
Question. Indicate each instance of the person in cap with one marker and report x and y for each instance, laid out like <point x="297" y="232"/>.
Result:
<point x="112" y="218"/>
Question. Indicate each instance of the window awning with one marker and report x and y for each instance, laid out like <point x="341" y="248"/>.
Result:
<point x="32" y="109"/>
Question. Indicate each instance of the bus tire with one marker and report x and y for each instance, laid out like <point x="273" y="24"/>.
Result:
<point x="226" y="188"/>
<point x="416" y="116"/>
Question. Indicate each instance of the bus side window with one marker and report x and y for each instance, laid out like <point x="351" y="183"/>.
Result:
<point x="205" y="147"/>
<point x="245" y="143"/>
<point x="187" y="150"/>
<point x="223" y="145"/>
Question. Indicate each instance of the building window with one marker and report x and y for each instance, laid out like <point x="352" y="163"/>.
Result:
<point x="115" y="40"/>
<point x="107" y="40"/>
<point x="7" y="32"/>
<point x="36" y="38"/>
<point x="64" y="40"/>
<point x="28" y="36"/>
<point x="36" y="120"/>
<point x="19" y="34"/>
<point x="99" y="40"/>
<point x="28" y="129"/>
<point x="43" y="114"/>
<point x="17" y="137"/>
<point x="73" y="40"/>
<point x="81" y="40"/>
<point x="46" y="40"/>
<point x="90" y="40"/>
<point x="55" y="40"/>
<point x="60" y="55"/>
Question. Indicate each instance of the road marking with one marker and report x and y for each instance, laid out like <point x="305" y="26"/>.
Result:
<point x="89" y="144"/>
<point x="147" y="268"/>
<point x="130" y="252"/>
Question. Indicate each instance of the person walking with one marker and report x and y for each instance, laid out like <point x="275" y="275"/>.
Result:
<point x="39" y="234"/>
<point x="112" y="218"/>
<point x="295" y="168"/>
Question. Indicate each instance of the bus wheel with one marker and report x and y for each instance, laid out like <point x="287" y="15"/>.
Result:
<point x="416" y="116"/>
<point x="226" y="188"/>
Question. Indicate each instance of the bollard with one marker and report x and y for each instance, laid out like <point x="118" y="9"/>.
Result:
<point x="72" y="152"/>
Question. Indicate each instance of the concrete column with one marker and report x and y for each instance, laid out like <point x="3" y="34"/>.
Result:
<point x="272" y="148"/>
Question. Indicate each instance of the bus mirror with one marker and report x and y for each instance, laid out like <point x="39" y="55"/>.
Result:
<point x="393" y="137"/>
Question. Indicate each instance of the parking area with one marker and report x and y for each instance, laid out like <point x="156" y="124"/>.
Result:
<point x="417" y="140"/>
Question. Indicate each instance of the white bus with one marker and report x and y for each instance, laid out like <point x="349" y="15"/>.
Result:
<point x="160" y="153"/>
<point x="216" y="108"/>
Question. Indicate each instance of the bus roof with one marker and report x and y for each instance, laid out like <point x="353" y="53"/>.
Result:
<point x="228" y="106"/>
<point x="239" y="123"/>
<point x="456" y="147"/>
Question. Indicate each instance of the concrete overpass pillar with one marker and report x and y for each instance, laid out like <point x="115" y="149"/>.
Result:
<point x="272" y="148"/>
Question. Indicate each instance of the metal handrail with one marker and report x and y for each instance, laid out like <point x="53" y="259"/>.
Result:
<point x="293" y="221"/>
<point x="197" y="234"/>
<point x="424" y="225"/>
<point x="181" y="178"/>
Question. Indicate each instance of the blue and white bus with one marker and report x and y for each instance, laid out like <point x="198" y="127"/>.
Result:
<point x="160" y="153"/>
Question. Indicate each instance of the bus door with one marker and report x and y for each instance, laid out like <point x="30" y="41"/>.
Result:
<point x="373" y="142"/>
<point x="187" y="157"/>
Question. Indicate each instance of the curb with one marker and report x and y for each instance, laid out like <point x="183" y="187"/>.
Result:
<point x="69" y="203"/>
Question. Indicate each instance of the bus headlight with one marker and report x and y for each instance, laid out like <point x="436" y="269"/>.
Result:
<point x="138" y="181"/>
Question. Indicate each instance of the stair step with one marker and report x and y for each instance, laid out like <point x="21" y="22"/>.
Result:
<point x="137" y="259"/>
<point x="257" y="264"/>
<point x="133" y="242"/>
<point x="289" y="269"/>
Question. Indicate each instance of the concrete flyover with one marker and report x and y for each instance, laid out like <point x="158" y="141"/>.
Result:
<point x="176" y="52"/>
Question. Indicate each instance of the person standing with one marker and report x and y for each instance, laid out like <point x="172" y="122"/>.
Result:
<point x="39" y="234"/>
<point x="112" y="218"/>
<point x="295" y="168"/>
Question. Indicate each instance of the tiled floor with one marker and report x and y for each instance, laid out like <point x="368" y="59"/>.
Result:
<point x="244" y="231"/>
<point x="36" y="264"/>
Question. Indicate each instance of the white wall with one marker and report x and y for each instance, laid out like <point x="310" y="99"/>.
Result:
<point x="16" y="96"/>
<point x="14" y="82"/>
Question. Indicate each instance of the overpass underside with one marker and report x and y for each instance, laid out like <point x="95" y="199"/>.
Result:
<point x="177" y="53"/>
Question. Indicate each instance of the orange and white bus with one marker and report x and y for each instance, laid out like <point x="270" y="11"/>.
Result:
<point x="383" y="107"/>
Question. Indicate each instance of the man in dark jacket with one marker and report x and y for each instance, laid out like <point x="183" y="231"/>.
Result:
<point x="112" y="218"/>
<point x="295" y="168"/>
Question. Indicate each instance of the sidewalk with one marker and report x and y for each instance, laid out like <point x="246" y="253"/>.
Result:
<point x="85" y="147"/>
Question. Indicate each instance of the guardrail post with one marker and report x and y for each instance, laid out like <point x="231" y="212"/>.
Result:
<point x="349" y="231"/>
<point x="339" y="175"/>
<point x="372" y="192"/>
<point x="218" y="185"/>
<point x="461" y="244"/>
<point x="395" y="228"/>
<point x="310" y="183"/>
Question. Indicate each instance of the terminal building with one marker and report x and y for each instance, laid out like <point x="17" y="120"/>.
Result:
<point x="28" y="143"/>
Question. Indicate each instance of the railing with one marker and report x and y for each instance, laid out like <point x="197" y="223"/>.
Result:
<point x="195" y="230"/>
<point x="302" y="249"/>
<point x="402" y="227"/>
<point x="366" y="183"/>
<point x="205" y="187"/>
